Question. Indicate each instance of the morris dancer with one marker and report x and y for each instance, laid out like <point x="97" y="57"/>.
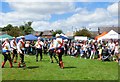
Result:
<point x="21" y="49"/>
<point x="13" y="44"/>
<point x="59" y="50"/>
<point x="51" y="51"/>
<point x="6" y="52"/>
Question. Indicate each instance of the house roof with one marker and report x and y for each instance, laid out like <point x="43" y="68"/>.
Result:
<point x="37" y="33"/>
<point x="107" y="29"/>
<point x="69" y="34"/>
<point x="47" y="33"/>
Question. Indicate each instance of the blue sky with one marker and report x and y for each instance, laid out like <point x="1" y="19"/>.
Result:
<point x="51" y="17"/>
<point x="5" y="7"/>
<point x="88" y="5"/>
<point x="91" y="6"/>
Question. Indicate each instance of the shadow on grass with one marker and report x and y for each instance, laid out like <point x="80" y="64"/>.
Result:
<point x="32" y="67"/>
<point x="69" y="67"/>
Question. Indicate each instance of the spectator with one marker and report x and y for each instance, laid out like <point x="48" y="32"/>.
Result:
<point x="33" y="48"/>
<point x="27" y="47"/>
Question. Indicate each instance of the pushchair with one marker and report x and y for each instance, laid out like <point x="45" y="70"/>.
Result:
<point x="106" y="56"/>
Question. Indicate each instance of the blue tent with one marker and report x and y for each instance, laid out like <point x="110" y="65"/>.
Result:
<point x="63" y="37"/>
<point x="30" y="37"/>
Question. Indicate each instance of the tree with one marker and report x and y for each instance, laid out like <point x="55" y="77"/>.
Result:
<point x="83" y="32"/>
<point x="57" y="32"/>
<point x="15" y="31"/>
<point x="22" y="27"/>
<point x="7" y="28"/>
<point x="26" y="28"/>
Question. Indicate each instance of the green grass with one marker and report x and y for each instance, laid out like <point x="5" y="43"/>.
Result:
<point x="75" y="69"/>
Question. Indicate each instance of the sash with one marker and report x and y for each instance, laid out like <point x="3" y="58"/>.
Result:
<point x="23" y="44"/>
<point x="14" y="43"/>
<point x="39" y="44"/>
<point x="3" y="45"/>
<point x="61" y="44"/>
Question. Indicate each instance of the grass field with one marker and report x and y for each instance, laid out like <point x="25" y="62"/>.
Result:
<point x="75" y="69"/>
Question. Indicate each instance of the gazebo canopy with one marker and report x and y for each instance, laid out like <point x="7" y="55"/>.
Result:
<point x="30" y="37"/>
<point x="110" y="35"/>
<point x="2" y="37"/>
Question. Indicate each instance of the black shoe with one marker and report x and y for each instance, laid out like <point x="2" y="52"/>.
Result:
<point x="52" y="62"/>
<point x="36" y="60"/>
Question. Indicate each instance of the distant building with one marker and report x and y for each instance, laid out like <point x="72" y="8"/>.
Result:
<point x="70" y="35"/>
<point x="37" y="33"/>
<point x="47" y="34"/>
<point x="104" y="29"/>
<point x="107" y="29"/>
<point x="44" y="34"/>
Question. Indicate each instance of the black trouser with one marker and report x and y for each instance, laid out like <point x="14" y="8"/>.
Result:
<point x="60" y="54"/>
<point x="45" y="50"/>
<point x="66" y="49"/>
<point x="38" y="51"/>
<point x="7" y="56"/>
<point x="33" y="51"/>
<point x="14" y="54"/>
<point x="52" y="54"/>
<point x="22" y="57"/>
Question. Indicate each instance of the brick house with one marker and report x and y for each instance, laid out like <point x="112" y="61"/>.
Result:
<point x="47" y="34"/>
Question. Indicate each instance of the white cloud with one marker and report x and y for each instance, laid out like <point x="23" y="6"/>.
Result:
<point x="43" y="7"/>
<point x="34" y="11"/>
<point x="40" y="25"/>
<point x="104" y="23"/>
<point x="99" y="18"/>
<point x="17" y="18"/>
<point x="113" y="9"/>
<point x="41" y="12"/>
<point x="81" y="19"/>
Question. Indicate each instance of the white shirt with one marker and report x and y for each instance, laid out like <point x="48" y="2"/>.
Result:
<point x="20" y="46"/>
<point x="57" y="45"/>
<point x="39" y="44"/>
<point x="6" y="46"/>
<point x="52" y="44"/>
<point x="13" y="44"/>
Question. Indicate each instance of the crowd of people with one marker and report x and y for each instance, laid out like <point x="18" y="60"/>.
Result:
<point x="107" y="50"/>
<point x="93" y="49"/>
